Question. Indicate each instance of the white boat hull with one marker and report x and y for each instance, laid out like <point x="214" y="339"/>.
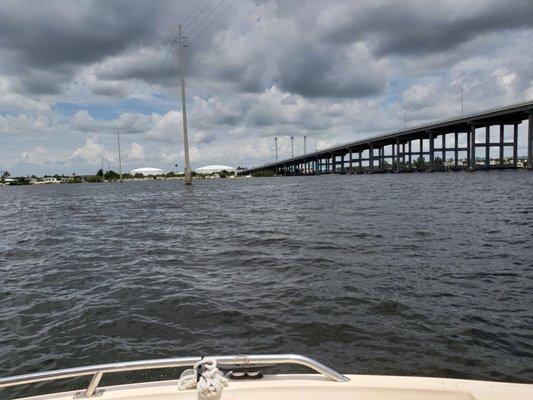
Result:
<point x="315" y="387"/>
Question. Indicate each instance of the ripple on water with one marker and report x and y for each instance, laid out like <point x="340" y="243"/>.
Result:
<point x="411" y="274"/>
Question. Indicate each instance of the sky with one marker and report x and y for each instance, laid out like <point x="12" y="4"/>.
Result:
<point x="74" y="73"/>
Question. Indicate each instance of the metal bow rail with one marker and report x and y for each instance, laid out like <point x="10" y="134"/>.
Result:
<point x="97" y="371"/>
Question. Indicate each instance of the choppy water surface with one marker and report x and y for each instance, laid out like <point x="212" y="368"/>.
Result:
<point x="414" y="274"/>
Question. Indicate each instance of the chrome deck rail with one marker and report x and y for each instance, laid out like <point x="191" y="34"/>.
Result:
<point x="97" y="371"/>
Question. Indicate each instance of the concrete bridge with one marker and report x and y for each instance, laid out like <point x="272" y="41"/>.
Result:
<point x="467" y="141"/>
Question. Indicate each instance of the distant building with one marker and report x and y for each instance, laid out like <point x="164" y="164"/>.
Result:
<point x="213" y="169"/>
<point x="147" y="171"/>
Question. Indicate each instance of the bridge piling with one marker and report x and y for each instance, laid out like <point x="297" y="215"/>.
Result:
<point x="515" y="145"/>
<point x="487" y="147"/>
<point x="472" y="159"/>
<point x="394" y="151"/>
<point x="530" y="141"/>
<point x="431" y="151"/>
<point x="501" y="144"/>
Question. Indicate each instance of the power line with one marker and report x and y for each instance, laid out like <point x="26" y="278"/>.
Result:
<point x="212" y="22"/>
<point x="142" y="105"/>
<point x="198" y="4"/>
<point x="199" y="24"/>
<point x="197" y="15"/>
<point x="151" y="102"/>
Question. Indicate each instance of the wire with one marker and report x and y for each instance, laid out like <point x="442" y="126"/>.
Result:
<point x="197" y="15"/>
<point x="142" y="105"/>
<point x="198" y="25"/>
<point x="193" y="10"/>
<point x="211" y="24"/>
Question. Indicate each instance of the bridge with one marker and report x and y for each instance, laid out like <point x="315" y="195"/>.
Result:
<point x="457" y="143"/>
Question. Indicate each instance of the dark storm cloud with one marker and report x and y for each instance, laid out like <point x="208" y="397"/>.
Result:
<point x="63" y="35"/>
<point x="43" y="45"/>
<point x="313" y="72"/>
<point x="415" y="27"/>
<point x="49" y="33"/>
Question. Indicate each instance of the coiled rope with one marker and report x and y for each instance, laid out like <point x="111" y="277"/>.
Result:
<point x="206" y="377"/>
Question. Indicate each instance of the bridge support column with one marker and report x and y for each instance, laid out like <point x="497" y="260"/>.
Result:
<point x="342" y="164"/>
<point x="333" y="163"/>
<point x="431" y="150"/>
<point x="397" y="155"/>
<point x="371" y="157"/>
<point x="456" y="155"/>
<point x="515" y="144"/>
<point x="472" y="146"/>
<point x="421" y="147"/>
<point x="410" y="153"/>
<point x="351" y="162"/>
<point x="487" y="147"/>
<point x="360" y="160"/>
<point x="443" y="148"/>
<point x="501" y="144"/>
<point x="530" y="142"/>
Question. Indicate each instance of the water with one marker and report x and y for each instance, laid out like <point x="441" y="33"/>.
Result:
<point x="410" y="274"/>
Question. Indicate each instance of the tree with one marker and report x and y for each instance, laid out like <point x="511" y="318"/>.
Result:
<point x="111" y="176"/>
<point x="420" y="163"/>
<point x="4" y="176"/>
<point x="100" y="173"/>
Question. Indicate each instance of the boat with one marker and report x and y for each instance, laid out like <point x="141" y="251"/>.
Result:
<point x="243" y="377"/>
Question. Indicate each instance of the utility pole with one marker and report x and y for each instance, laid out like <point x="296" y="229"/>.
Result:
<point x="119" y="157"/>
<point x="276" y="145"/>
<point x="305" y="146"/>
<point x="187" y="168"/>
<point x="292" y="146"/>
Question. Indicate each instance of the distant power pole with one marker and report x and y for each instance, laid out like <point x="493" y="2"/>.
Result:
<point x="119" y="156"/>
<point x="292" y="146"/>
<point x="305" y="146"/>
<point x="187" y="167"/>
<point x="276" y="145"/>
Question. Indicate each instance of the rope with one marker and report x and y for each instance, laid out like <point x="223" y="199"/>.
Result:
<point x="206" y="377"/>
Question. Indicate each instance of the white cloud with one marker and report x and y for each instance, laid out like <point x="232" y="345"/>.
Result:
<point x="91" y="153"/>
<point x="135" y="152"/>
<point x="41" y="156"/>
<point x="336" y="71"/>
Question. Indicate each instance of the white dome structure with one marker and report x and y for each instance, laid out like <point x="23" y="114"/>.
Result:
<point x="213" y="169"/>
<point x="147" y="171"/>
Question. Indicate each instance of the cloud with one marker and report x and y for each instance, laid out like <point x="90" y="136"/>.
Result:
<point x="417" y="27"/>
<point x="74" y="74"/>
<point x="40" y="156"/>
<point x="91" y="153"/>
<point x="135" y="152"/>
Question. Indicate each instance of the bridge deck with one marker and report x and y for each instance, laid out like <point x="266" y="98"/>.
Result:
<point x="508" y="115"/>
